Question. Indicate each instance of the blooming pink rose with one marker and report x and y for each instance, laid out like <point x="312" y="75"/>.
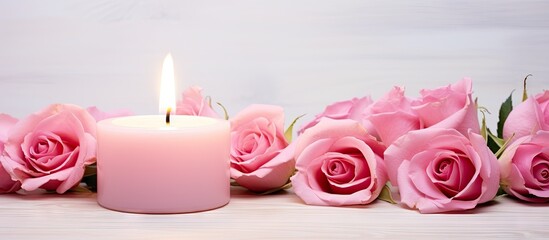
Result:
<point x="440" y="170"/>
<point x="7" y="185"/>
<point x="448" y="107"/>
<point x="99" y="115"/>
<point x="50" y="149"/>
<point x="258" y="161"/>
<point x="193" y="103"/>
<point x="356" y="109"/>
<point x="525" y="168"/>
<point x="392" y="116"/>
<point x="528" y="117"/>
<point x="338" y="163"/>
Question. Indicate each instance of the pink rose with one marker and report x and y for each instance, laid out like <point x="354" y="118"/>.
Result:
<point x="338" y="163"/>
<point x="7" y="185"/>
<point x="356" y="109"/>
<point x="528" y="117"/>
<point x="193" y="103"/>
<point x="99" y="115"/>
<point x="440" y="170"/>
<point x="525" y="168"/>
<point x="50" y="149"/>
<point x="448" y="107"/>
<point x="392" y="116"/>
<point x="258" y="161"/>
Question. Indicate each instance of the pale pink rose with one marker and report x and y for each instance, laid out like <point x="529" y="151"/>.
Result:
<point x="448" y="107"/>
<point x="439" y="170"/>
<point x="528" y="117"/>
<point x="7" y="185"/>
<point x="258" y="161"/>
<point x="392" y="116"/>
<point x="525" y="168"/>
<point x="50" y="149"/>
<point x="355" y="108"/>
<point x="338" y="163"/>
<point x="193" y="103"/>
<point x="99" y="115"/>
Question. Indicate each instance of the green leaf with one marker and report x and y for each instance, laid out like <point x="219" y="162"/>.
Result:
<point x="385" y="195"/>
<point x="224" y="110"/>
<point x="500" y="192"/>
<point x="209" y="99"/>
<point x="524" y="91"/>
<point x="483" y="128"/>
<point x="504" y="146"/>
<point x="504" y="110"/>
<point x="499" y="141"/>
<point x="493" y="142"/>
<point x="289" y="130"/>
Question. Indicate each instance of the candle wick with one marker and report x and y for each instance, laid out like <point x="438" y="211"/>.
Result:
<point x="168" y="115"/>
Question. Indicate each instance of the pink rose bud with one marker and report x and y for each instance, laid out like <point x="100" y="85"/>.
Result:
<point x="50" y="149"/>
<point x="525" y="168"/>
<point x="259" y="158"/>
<point x="194" y="104"/>
<point x="99" y="115"/>
<point x="448" y="107"/>
<point x="528" y="117"/>
<point x="439" y="170"/>
<point x="392" y="116"/>
<point x="338" y="163"/>
<point x="356" y="109"/>
<point x="7" y="185"/>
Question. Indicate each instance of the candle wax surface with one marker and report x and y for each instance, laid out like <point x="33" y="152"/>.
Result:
<point x="147" y="166"/>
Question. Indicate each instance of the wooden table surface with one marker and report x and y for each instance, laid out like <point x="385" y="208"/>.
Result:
<point x="277" y="216"/>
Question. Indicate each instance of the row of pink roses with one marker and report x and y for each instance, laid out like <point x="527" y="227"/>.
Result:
<point x="430" y="149"/>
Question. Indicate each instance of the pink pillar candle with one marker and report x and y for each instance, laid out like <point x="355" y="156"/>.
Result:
<point x="147" y="166"/>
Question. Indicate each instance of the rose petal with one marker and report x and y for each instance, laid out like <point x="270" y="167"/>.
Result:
<point x="355" y="109"/>
<point x="463" y="119"/>
<point x="528" y="117"/>
<point x="390" y="126"/>
<point x="274" y="114"/>
<point x="523" y="158"/>
<point x="6" y="124"/>
<point x="405" y="147"/>
<point x="7" y="185"/>
<point x="487" y="165"/>
<point x="338" y="140"/>
<point x="31" y="184"/>
<point x="417" y="169"/>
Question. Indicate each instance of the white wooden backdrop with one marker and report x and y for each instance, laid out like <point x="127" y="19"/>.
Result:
<point x="300" y="54"/>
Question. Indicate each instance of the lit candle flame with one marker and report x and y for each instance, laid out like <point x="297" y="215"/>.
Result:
<point x="167" y="88"/>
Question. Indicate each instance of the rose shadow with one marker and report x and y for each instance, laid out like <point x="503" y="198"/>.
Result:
<point x="50" y="195"/>
<point x="524" y="203"/>
<point x="241" y="192"/>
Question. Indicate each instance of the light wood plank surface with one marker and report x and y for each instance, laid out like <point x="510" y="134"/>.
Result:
<point x="278" y="216"/>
